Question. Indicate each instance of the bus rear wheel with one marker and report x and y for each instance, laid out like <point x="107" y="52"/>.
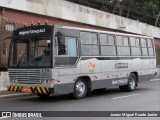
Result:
<point x="131" y="84"/>
<point x="80" y="89"/>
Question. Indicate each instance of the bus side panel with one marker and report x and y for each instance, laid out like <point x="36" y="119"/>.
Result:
<point x="146" y="77"/>
<point x="124" y="67"/>
<point x="137" y="64"/>
<point x="109" y="75"/>
<point x="152" y="66"/>
<point x="148" y="71"/>
<point x="65" y="82"/>
<point x="146" y="66"/>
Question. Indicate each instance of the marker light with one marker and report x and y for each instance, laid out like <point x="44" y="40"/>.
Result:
<point x="25" y="24"/>
<point x="39" y="22"/>
<point x="32" y="23"/>
<point x="46" y="22"/>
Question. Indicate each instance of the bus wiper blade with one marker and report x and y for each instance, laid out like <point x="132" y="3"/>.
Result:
<point x="20" y="60"/>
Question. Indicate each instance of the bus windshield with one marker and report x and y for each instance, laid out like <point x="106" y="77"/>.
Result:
<point x="30" y="52"/>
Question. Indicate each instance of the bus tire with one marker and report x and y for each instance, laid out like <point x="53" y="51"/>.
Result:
<point x="43" y="95"/>
<point x="131" y="84"/>
<point x="80" y="89"/>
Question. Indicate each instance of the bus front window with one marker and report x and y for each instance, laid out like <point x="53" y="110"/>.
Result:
<point x="31" y="52"/>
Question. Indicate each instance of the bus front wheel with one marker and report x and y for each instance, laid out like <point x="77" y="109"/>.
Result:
<point x="80" y="89"/>
<point x="131" y="84"/>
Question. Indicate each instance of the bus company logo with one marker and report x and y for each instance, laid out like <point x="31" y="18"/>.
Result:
<point x="32" y="32"/>
<point x="91" y="66"/>
<point x="121" y="65"/>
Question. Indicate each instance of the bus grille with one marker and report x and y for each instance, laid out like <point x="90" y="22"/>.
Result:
<point x="28" y="76"/>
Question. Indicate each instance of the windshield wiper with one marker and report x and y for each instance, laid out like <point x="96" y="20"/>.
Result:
<point x="21" y="58"/>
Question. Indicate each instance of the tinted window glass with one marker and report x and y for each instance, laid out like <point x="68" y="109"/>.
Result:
<point x="145" y="51"/>
<point x="136" y="51"/>
<point x="144" y="42"/>
<point x="119" y="40"/>
<point x="108" y="50"/>
<point x="137" y="42"/>
<point x="85" y="37"/>
<point x="123" y="51"/>
<point x="103" y="39"/>
<point x="90" y="50"/>
<point x="111" y="39"/>
<point x="150" y="43"/>
<point x="132" y="40"/>
<point x="125" y="41"/>
<point x="94" y="38"/>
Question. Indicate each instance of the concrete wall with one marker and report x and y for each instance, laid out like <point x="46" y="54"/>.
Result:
<point x="74" y="12"/>
<point x="4" y="80"/>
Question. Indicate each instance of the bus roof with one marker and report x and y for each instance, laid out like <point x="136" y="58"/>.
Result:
<point x="102" y="31"/>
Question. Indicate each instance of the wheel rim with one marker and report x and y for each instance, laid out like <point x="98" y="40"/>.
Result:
<point x="80" y="88"/>
<point x="132" y="83"/>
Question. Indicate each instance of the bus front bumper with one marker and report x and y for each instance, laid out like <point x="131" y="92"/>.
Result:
<point x="29" y="89"/>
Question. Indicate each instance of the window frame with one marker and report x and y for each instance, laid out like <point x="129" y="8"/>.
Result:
<point x="135" y="45"/>
<point x="90" y="44"/>
<point x="150" y="47"/>
<point x="123" y="45"/>
<point x="107" y="39"/>
<point x="57" y="47"/>
<point x="141" y="41"/>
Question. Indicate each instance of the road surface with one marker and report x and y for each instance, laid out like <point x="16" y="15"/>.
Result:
<point x="145" y="98"/>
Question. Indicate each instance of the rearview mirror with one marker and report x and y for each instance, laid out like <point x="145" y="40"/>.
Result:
<point x="62" y="39"/>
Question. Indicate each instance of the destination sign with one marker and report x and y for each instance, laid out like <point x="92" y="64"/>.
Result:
<point x="33" y="30"/>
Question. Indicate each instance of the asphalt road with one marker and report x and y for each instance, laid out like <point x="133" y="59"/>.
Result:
<point x="145" y="98"/>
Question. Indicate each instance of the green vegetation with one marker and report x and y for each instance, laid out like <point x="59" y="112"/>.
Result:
<point x="147" y="11"/>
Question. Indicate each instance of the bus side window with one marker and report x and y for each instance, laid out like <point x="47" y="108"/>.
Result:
<point x="89" y="43"/>
<point x="135" y="46"/>
<point x="107" y="44"/>
<point x="144" y="46"/>
<point x="150" y="47"/>
<point x="71" y="44"/>
<point x="123" y="45"/>
<point x="67" y="46"/>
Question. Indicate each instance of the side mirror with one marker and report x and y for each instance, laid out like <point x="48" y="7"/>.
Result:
<point x="62" y="39"/>
<point x="4" y="48"/>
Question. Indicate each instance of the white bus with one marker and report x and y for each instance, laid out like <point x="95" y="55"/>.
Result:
<point x="47" y="59"/>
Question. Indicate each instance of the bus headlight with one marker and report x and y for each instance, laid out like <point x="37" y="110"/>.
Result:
<point x="47" y="81"/>
<point x="43" y="81"/>
<point x="13" y="80"/>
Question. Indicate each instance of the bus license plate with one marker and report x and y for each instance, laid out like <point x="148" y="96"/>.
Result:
<point x="26" y="89"/>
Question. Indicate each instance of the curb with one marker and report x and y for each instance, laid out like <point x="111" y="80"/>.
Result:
<point x="156" y="79"/>
<point x="11" y="95"/>
<point x="152" y="80"/>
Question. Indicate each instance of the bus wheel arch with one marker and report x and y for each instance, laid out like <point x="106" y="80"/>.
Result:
<point x="131" y="85"/>
<point x="137" y="78"/>
<point x="83" y="81"/>
<point x="88" y="81"/>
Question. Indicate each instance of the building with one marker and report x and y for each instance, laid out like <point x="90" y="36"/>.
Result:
<point x="15" y="13"/>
